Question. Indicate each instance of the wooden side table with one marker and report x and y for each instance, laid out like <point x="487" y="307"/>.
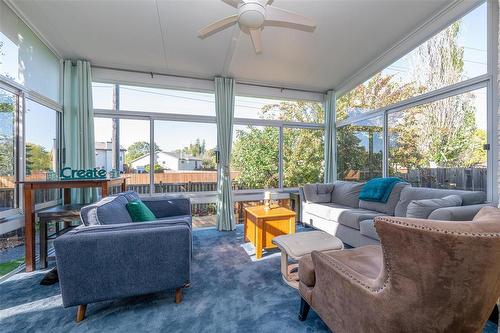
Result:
<point x="66" y="214"/>
<point x="262" y="226"/>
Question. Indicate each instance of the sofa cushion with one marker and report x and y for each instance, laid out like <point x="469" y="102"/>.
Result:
<point x="421" y="209"/>
<point x="110" y="210"/>
<point x="346" y="193"/>
<point x="388" y="207"/>
<point x="318" y="192"/>
<point x="367" y="228"/>
<point x="417" y="193"/>
<point x="352" y="217"/>
<point x="344" y="215"/>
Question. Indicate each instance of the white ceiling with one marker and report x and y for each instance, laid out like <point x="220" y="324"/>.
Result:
<point x="161" y="36"/>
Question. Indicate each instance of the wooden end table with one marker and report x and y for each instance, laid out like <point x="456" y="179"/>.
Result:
<point x="262" y="226"/>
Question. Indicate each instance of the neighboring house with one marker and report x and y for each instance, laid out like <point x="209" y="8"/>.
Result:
<point x="104" y="155"/>
<point x="169" y="161"/>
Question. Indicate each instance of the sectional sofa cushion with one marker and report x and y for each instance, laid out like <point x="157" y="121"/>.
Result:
<point x="417" y="193"/>
<point x="367" y="228"/>
<point x="421" y="209"/>
<point x="318" y="192"/>
<point x="346" y="193"/>
<point x="388" y="207"/>
<point x="110" y="210"/>
<point x="342" y="214"/>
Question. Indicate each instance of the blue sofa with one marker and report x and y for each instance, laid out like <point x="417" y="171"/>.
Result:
<point x="109" y="256"/>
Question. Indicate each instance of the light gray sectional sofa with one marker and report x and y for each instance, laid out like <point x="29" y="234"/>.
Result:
<point x="336" y="208"/>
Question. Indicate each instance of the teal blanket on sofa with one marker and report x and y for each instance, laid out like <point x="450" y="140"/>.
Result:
<point x="378" y="189"/>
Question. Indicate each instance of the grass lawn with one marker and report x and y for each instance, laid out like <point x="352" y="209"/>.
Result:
<point x="9" y="266"/>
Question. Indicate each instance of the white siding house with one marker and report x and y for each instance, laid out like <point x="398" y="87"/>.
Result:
<point x="104" y="155"/>
<point x="168" y="161"/>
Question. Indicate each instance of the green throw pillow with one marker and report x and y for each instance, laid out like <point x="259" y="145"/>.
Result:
<point x="139" y="212"/>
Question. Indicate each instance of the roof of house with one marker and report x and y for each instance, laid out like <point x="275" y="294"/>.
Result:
<point x="177" y="155"/>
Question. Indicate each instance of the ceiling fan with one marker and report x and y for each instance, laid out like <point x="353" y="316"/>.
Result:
<point x="254" y="15"/>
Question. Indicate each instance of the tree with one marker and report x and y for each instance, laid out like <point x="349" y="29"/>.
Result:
<point x="158" y="168"/>
<point x="209" y="160"/>
<point x="37" y="158"/>
<point x="255" y="157"/>
<point x="255" y="149"/>
<point x="138" y="149"/>
<point x="6" y="134"/>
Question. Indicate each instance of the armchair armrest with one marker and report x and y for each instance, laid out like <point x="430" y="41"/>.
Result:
<point x="110" y="261"/>
<point x="167" y="206"/>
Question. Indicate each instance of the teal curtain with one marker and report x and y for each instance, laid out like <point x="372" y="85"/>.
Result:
<point x="224" y="108"/>
<point x="78" y="122"/>
<point x="330" y="139"/>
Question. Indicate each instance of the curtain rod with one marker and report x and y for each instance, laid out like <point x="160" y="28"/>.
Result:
<point x="206" y="79"/>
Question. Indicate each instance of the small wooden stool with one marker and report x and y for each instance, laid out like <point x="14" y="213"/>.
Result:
<point x="66" y="214"/>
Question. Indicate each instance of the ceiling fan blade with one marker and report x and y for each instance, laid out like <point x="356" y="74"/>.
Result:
<point x="256" y="36"/>
<point x="232" y="3"/>
<point x="283" y="16"/>
<point x="217" y="26"/>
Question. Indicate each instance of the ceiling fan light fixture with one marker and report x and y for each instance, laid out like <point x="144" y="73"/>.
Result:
<point x="251" y="15"/>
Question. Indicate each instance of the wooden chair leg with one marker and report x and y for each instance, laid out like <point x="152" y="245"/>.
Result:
<point x="178" y="295"/>
<point x="304" y="309"/>
<point x="80" y="312"/>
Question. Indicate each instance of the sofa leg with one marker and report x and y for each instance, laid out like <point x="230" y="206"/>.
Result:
<point x="304" y="309"/>
<point x="178" y="295"/>
<point x="80" y="312"/>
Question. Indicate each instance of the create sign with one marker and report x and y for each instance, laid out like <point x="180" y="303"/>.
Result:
<point x="68" y="173"/>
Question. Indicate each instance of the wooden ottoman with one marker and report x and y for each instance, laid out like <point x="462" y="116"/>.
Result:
<point x="298" y="245"/>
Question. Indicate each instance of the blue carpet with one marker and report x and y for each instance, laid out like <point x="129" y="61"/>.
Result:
<point x="229" y="293"/>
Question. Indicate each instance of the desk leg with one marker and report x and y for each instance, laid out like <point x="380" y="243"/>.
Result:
<point x="124" y="185"/>
<point x="104" y="190"/>
<point x="258" y="239"/>
<point x="67" y="196"/>
<point x="43" y="243"/>
<point x="29" y="229"/>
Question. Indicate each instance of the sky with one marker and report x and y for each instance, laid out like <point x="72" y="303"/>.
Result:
<point x="176" y="135"/>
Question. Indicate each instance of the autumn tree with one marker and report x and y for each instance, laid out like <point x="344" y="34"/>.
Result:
<point x="138" y="149"/>
<point x="255" y="149"/>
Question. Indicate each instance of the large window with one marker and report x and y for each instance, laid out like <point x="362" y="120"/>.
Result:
<point x="134" y="138"/>
<point x="439" y="140"/>
<point x="255" y="159"/>
<point x="184" y="158"/>
<point x="441" y="144"/>
<point x="133" y="98"/>
<point x="303" y="156"/>
<point x="455" y="54"/>
<point x="283" y="110"/>
<point x="41" y="146"/>
<point x="24" y="58"/>
<point x="360" y="149"/>
<point x="8" y="106"/>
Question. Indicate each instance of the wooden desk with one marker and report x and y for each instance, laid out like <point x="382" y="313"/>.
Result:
<point x="29" y="188"/>
<point x="262" y="226"/>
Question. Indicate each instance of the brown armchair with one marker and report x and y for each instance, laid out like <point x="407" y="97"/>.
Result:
<point x="427" y="276"/>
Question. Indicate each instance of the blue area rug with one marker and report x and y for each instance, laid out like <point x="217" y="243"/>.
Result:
<point x="229" y="293"/>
